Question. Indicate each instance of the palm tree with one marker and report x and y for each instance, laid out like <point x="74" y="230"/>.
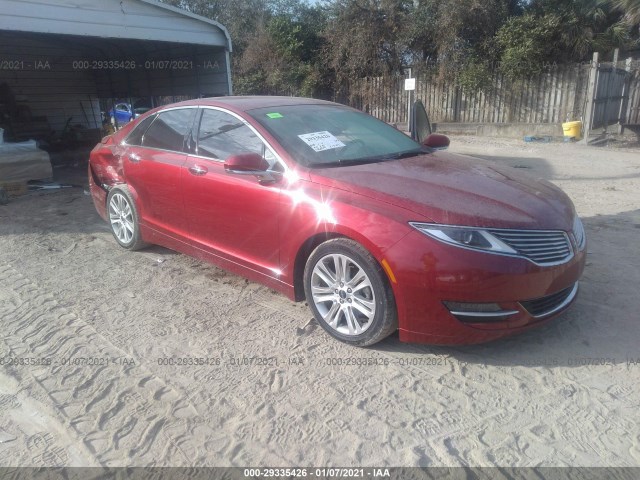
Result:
<point x="630" y="9"/>
<point x="590" y="25"/>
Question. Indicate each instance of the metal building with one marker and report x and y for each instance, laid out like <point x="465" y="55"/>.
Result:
<point x="58" y="57"/>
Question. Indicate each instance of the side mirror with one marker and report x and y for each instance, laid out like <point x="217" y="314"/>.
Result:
<point x="246" y="164"/>
<point x="419" y="124"/>
<point x="251" y="164"/>
<point x="437" y="141"/>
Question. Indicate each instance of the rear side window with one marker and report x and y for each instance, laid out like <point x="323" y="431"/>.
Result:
<point x="169" y="130"/>
<point x="135" y="137"/>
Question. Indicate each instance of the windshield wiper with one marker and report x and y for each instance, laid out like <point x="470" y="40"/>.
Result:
<point x="365" y="160"/>
<point x="347" y="163"/>
<point x="410" y="153"/>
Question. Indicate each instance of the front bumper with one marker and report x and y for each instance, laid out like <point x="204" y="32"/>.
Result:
<point x="429" y="273"/>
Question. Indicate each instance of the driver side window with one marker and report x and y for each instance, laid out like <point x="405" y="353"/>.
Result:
<point x="221" y="135"/>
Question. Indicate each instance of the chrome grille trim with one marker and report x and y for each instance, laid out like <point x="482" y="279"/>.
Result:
<point x="542" y="247"/>
<point x="578" y="233"/>
<point x="497" y="313"/>
<point x="483" y="317"/>
<point x="551" y="303"/>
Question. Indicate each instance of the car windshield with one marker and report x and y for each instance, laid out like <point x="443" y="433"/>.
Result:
<point x="331" y="135"/>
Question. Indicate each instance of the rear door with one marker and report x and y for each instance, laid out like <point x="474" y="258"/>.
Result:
<point x="234" y="216"/>
<point x="153" y="162"/>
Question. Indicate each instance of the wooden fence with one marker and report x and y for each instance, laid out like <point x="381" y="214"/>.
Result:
<point x="606" y="93"/>
<point x="556" y="95"/>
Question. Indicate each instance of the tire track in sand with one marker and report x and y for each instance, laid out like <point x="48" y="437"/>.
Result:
<point x="120" y="411"/>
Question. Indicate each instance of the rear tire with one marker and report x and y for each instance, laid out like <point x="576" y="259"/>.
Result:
<point x="349" y="294"/>
<point x="124" y="219"/>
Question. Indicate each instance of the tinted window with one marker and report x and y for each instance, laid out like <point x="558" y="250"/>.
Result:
<point x="221" y="135"/>
<point x="135" y="137"/>
<point x="169" y="130"/>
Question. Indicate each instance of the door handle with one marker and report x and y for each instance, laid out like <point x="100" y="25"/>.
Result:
<point x="198" y="170"/>
<point x="133" y="158"/>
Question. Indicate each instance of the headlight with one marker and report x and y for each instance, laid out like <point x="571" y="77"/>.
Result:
<point x="465" y="237"/>
<point x="578" y="233"/>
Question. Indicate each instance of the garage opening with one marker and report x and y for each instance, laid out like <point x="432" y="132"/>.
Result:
<point x="70" y="69"/>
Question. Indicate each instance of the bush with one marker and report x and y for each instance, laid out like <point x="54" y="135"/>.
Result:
<point x="525" y="43"/>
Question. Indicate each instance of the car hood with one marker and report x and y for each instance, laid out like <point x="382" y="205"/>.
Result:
<point x="458" y="190"/>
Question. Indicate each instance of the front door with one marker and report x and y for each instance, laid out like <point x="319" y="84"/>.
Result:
<point x="234" y="216"/>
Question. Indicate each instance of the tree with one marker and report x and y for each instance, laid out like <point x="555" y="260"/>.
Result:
<point x="290" y="46"/>
<point x="272" y="61"/>
<point x="363" y="37"/>
<point x="630" y="10"/>
<point x="241" y="18"/>
<point x="276" y="42"/>
<point x="381" y="37"/>
<point x="526" y="43"/>
<point x="560" y="31"/>
<point x="586" y="26"/>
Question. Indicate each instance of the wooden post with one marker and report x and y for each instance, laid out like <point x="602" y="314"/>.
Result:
<point x="409" y="92"/>
<point x="623" y="115"/>
<point x="456" y="104"/>
<point x="591" y="96"/>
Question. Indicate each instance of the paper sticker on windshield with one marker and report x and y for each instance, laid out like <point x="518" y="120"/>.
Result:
<point x="321" y="141"/>
<point x="274" y="115"/>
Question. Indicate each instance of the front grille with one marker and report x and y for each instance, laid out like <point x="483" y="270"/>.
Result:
<point x="551" y="303"/>
<point x="540" y="246"/>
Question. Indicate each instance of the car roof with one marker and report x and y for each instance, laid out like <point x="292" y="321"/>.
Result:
<point x="242" y="103"/>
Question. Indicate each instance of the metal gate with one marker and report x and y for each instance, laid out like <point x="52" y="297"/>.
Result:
<point x="610" y="97"/>
<point x="609" y="108"/>
<point x="632" y="109"/>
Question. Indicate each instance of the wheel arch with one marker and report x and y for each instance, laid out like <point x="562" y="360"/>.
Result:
<point x="125" y="186"/>
<point x="303" y="254"/>
<point x="309" y="245"/>
<point x="138" y="238"/>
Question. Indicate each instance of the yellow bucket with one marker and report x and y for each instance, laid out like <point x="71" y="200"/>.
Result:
<point x="572" y="129"/>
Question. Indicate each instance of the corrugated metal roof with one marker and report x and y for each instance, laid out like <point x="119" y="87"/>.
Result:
<point x="126" y="19"/>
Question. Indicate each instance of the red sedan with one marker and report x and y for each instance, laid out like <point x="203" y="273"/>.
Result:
<point x="322" y="202"/>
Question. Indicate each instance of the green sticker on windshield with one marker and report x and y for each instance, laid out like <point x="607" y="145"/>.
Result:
<point x="274" y="115"/>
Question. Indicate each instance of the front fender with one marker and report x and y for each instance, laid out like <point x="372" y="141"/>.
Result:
<point x="311" y="215"/>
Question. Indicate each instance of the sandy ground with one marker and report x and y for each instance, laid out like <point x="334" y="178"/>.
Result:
<point x="269" y="391"/>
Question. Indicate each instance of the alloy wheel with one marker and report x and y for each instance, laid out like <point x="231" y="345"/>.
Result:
<point x="121" y="218"/>
<point x="343" y="294"/>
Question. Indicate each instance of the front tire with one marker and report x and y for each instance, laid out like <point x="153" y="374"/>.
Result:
<point x="123" y="218"/>
<point x="349" y="294"/>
